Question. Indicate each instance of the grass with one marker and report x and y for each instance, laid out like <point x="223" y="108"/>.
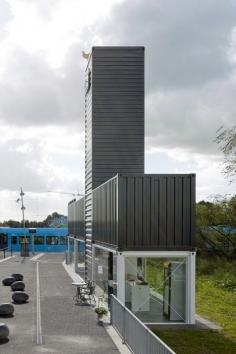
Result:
<point x="216" y="293"/>
<point x="197" y="342"/>
<point x="155" y="274"/>
<point x="216" y="301"/>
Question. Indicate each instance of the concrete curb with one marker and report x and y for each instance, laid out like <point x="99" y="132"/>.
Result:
<point x="207" y="323"/>
<point x="6" y="259"/>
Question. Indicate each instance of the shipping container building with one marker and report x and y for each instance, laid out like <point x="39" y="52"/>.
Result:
<point x="138" y="229"/>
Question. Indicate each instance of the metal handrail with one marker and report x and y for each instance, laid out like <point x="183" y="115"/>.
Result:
<point x="146" y="330"/>
<point x="4" y="251"/>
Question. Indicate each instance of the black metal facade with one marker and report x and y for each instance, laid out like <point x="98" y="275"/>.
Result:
<point x="145" y="212"/>
<point x="105" y="215"/>
<point x="76" y="224"/>
<point x="88" y="169"/>
<point x="118" y="112"/>
<point x="114" y="122"/>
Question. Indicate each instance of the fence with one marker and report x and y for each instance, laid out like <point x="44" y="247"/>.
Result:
<point x="5" y="252"/>
<point x="139" y="338"/>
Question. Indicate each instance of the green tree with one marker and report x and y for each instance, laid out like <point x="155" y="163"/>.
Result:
<point x="45" y="223"/>
<point x="213" y="235"/>
<point x="226" y="139"/>
<point x="51" y="217"/>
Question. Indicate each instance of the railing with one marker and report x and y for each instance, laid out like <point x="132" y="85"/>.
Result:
<point x="3" y="251"/>
<point x="138" y="337"/>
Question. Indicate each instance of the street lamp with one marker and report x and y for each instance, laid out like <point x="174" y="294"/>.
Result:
<point x="24" y="245"/>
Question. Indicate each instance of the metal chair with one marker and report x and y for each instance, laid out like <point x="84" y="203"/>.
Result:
<point x="79" y="286"/>
<point x="88" y="293"/>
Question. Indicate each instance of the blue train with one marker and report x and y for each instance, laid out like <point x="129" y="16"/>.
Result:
<point x="45" y="239"/>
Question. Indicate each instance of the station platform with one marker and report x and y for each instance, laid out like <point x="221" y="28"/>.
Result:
<point x="50" y="322"/>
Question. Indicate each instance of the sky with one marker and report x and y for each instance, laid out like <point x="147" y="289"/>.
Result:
<point x="190" y="91"/>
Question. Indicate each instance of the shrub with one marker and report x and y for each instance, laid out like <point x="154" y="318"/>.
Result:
<point x="100" y="310"/>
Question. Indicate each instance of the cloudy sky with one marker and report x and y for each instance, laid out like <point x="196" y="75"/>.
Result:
<point x="190" y="91"/>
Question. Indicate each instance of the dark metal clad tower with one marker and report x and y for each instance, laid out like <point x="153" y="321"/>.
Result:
<point x="114" y="121"/>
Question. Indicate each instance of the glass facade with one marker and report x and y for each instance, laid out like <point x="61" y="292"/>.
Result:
<point x="105" y="264"/>
<point x="80" y="258"/>
<point x="155" y="288"/>
<point x="71" y="249"/>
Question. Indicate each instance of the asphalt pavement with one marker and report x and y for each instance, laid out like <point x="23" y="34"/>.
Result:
<point x="50" y="322"/>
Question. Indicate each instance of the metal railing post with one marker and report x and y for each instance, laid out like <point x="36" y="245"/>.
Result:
<point x="123" y="314"/>
<point x="111" y="311"/>
<point x="149" y="342"/>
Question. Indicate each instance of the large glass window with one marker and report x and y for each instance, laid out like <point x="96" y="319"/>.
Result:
<point x="38" y="240"/>
<point x="155" y="288"/>
<point x="105" y="272"/>
<point x="71" y="249"/>
<point x="71" y="244"/>
<point x="52" y="240"/>
<point x="80" y="249"/>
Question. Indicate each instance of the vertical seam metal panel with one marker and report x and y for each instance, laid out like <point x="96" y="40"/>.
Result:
<point x="153" y="212"/>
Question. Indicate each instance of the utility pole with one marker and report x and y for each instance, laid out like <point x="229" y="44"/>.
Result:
<point x="24" y="247"/>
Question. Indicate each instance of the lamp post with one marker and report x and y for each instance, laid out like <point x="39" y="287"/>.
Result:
<point x="24" y="246"/>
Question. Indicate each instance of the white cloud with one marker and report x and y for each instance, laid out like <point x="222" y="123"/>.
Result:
<point x="209" y="180"/>
<point x="190" y="89"/>
<point x="53" y="25"/>
<point x="190" y="118"/>
<point x="32" y="93"/>
<point x="42" y="159"/>
<point x="187" y="42"/>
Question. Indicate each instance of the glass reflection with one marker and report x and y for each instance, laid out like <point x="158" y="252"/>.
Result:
<point x="155" y="288"/>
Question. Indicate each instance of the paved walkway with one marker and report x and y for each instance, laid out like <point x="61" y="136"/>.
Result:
<point x="50" y="323"/>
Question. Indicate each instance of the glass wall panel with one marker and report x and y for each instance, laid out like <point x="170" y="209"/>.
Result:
<point x="81" y="258"/>
<point x="71" y="249"/>
<point x="114" y="274"/>
<point x="105" y="273"/>
<point x="155" y="288"/>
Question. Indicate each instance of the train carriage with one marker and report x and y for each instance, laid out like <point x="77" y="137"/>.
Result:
<point x="39" y="239"/>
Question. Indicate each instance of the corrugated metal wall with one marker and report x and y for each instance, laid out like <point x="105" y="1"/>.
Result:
<point x="114" y="122"/>
<point x="155" y="212"/>
<point x="76" y="224"/>
<point x="88" y="170"/>
<point x="118" y="112"/>
<point x="105" y="212"/>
